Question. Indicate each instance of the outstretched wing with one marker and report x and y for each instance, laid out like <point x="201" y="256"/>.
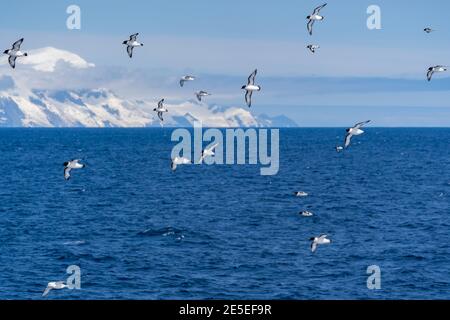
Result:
<point x="248" y="98"/>
<point x="212" y="147"/>
<point x="310" y="26"/>
<point x="313" y="246"/>
<point x="430" y="74"/>
<point x="251" y="78"/>
<point x="323" y="236"/>
<point x="317" y="10"/>
<point x="348" y="140"/>
<point x="16" y="45"/>
<point x="161" y="104"/>
<point x="361" y="124"/>
<point x="130" y="51"/>
<point x="199" y="97"/>
<point x="67" y="173"/>
<point x="181" y="83"/>
<point x="46" y="291"/>
<point x="12" y="61"/>
<point x="160" y="116"/>
<point x="133" y="37"/>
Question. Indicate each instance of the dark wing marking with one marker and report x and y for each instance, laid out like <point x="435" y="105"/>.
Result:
<point x="16" y="45"/>
<point x="12" y="61"/>
<point x="310" y="26"/>
<point x="317" y="10"/>
<point x="251" y="78"/>
<point x="130" y="51"/>
<point x="133" y="37"/>
<point x="248" y="98"/>
<point x="359" y="125"/>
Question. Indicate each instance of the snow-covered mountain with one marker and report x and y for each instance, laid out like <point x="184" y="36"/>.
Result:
<point x="21" y="106"/>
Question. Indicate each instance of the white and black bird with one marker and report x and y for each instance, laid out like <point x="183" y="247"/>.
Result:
<point x="132" y="43"/>
<point x="201" y="94"/>
<point x="250" y="88"/>
<point x="15" y="53"/>
<point x="306" y="214"/>
<point x="315" y="16"/>
<point x="54" y="286"/>
<point x="313" y="47"/>
<point x="354" y="131"/>
<point x="208" y="152"/>
<point x="316" y="241"/>
<point x="428" y="30"/>
<point x="177" y="161"/>
<point x="160" y="110"/>
<point x="186" y="79"/>
<point x="70" y="165"/>
<point x="435" y="69"/>
<point x="300" y="194"/>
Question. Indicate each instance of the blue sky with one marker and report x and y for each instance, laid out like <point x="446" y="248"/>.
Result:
<point x="354" y="68"/>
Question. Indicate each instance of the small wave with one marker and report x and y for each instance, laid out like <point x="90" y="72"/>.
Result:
<point x="165" y="232"/>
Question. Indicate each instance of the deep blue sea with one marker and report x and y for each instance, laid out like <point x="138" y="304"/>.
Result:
<point x="139" y="231"/>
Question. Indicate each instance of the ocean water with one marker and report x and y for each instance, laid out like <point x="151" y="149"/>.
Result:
<point x="139" y="231"/>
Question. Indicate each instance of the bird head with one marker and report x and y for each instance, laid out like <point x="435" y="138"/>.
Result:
<point x="6" y="52"/>
<point x="312" y="239"/>
<point x="308" y="17"/>
<point x="243" y="87"/>
<point x="125" y="42"/>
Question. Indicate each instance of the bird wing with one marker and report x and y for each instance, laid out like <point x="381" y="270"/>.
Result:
<point x="348" y="139"/>
<point x="323" y="237"/>
<point x="12" y="61"/>
<point x="310" y="26"/>
<point x="173" y="165"/>
<point x="212" y="147"/>
<point x="160" y="116"/>
<point x="313" y="246"/>
<point x="133" y="37"/>
<point x="199" y="97"/>
<point x="46" y="291"/>
<point x="130" y="51"/>
<point x="161" y="104"/>
<point x="182" y="82"/>
<point x="248" y="98"/>
<point x="67" y="173"/>
<point x="251" y="78"/>
<point x="317" y="10"/>
<point x="359" y="125"/>
<point x="430" y="74"/>
<point x="16" y="45"/>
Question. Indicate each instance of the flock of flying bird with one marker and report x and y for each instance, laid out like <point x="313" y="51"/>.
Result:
<point x="132" y="43"/>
